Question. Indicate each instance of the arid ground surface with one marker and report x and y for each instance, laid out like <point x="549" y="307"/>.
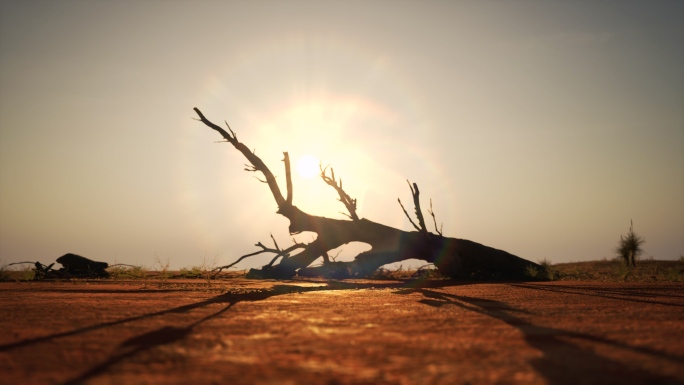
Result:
<point x="241" y="331"/>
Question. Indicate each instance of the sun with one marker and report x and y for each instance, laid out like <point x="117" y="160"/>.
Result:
<point x="308" y="166"/>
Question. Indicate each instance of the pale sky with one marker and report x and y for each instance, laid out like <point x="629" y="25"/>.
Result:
<point x="537" y="127"/>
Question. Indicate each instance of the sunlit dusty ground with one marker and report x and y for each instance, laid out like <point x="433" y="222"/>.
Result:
<point x="296" y="332"/>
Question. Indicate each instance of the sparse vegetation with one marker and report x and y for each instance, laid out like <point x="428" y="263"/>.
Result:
<point x="616" y="271"/>
<point x="27" y="273"/>
<point x="138" y="271"/>
<point x="191" y="272"/>
<point x="674" y="274"/>
<point x="208" y="267"/>
<point x="123" y="271"/>
<point x="622" y="270"/>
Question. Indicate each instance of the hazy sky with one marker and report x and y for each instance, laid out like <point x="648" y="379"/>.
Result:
<point x="537" y="127"/>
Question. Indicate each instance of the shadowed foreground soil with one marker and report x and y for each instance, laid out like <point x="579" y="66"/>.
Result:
<point x="374" y="332"/>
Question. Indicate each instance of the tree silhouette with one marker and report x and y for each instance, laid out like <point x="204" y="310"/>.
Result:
<point x="453" y="257"/>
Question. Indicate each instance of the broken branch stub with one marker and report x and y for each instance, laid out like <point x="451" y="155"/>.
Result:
<point x="453" y="257"/>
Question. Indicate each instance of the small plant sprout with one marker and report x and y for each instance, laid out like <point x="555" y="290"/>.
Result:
<point x="207" y="268"/>
<point x="163" y="268"/>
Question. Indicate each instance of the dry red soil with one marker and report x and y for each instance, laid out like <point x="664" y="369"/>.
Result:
<point x="352" y="332"/>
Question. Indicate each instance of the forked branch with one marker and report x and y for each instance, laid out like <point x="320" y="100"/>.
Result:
<point x="348" y="202"/>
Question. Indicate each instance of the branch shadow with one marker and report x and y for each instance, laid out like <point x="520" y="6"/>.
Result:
<point x="229" y="298"/>
<point x="171" y="334"/>
<point x="143" y="342"/>
<point x="233" y="298"/>
<point x="562" y="362"/>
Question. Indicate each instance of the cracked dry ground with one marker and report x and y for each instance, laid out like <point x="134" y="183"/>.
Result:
<point x="351" y="332"/>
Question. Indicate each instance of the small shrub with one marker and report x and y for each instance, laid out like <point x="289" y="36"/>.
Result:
<point x="673" y="274"/>
<point x="428" y="271"/>
<point x="27" y="273"/>
<point x="116" y="272"/>
<point x="192" y="272"/>
<point x="138" y="271"/>
<point x="531" y="271"/>
<point x="207" y="268"/>
<point x="622" y="271"/>
<point x="4" y="274"/>
<point x="629" y="247"/>
<point x="163" y="267"/>
<point x="548" y="271"/>
<point x="120" y="271"/>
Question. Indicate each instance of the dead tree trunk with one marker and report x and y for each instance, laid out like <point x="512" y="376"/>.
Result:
<point x="453" y="257"/>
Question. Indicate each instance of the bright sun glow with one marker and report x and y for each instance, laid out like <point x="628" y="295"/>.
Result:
<point x="308" y="166"/>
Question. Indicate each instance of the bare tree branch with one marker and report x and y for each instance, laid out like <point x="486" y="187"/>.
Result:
<point x="20" y="263"/>
<point x="434" y="220"/>
<point x="256" y="162"/>
<point x="275" y="243"/>
<point x="348" y="202"/>
<point x="279" y="253"/>
<point x="416" y="203"/>
<point x="407" y="214"/>
<point x="288" y="178"/>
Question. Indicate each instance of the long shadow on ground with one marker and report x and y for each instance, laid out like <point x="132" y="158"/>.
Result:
<point x="626" y="294"/>
<point x="170" y="334"/>
<point x="562" y="362"/>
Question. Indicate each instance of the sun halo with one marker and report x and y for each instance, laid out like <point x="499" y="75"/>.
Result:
<point x="308" y="166"/>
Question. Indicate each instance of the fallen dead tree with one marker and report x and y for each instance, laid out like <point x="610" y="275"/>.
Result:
<point x="457" y="258"/>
